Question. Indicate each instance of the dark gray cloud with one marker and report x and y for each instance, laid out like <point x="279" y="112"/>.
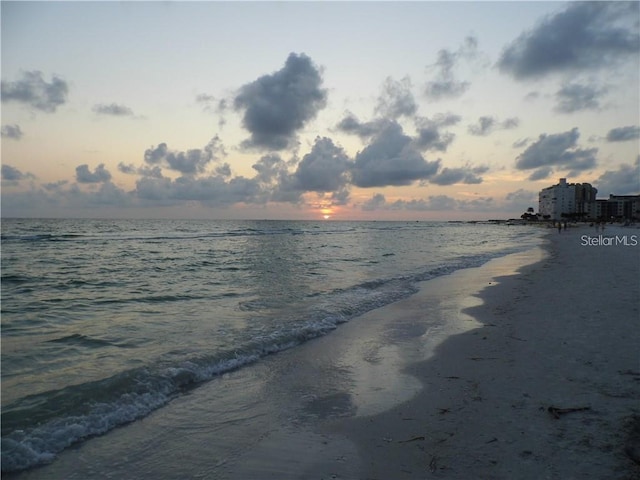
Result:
<point x="350" y="124"/>
<point x="277" y="183"/>
<point x="391" y="159"/>
<point x="276" y="106"/>
<point x="396" y="99"/>
<point x="191" y="162"/>
<point x="487" y="125"/>
<point x="445" y="84"/>
<point x="270" y="168"/>
<point x="113" y="109"/>
<point x="623" y="134"/>
<point x="34" y="91"/>
<point x="324" y="169"/>
<point x="574" y="97"/>
<point x="214" y="190"/>
<point x="11" y="131"/>
<point x="430" y="134"/>
<point x="99" y="175"/>
<point x="128" y="169"/>
<point x="146" y="171"/>
<point x="541" y="173"/>
<point x="12" y="174"/>
<point x="431" y="138"/>
<point x="224" y="170"/>
<point x="557" y="151"/>
<point x="623" y="181"/>
<point x="584" y="36"/>
<point x="484" y="127"/>
<point x="450" y="176"/>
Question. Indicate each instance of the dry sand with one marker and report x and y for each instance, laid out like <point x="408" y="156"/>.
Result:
<point x="454" y="382"/>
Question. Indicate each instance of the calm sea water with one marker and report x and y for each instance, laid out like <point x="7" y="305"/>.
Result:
<point x="104" y="321"/>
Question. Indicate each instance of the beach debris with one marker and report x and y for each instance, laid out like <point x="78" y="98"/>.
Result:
<point x="557" y="411"/>
<point x="412" y="439"/>
<point x="433" y="464"/>
<point x="516" y="338"/>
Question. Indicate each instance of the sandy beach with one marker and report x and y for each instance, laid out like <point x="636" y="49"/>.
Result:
<point x="525" y="368"/>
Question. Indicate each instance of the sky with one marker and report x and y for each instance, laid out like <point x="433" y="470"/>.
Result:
<point x="314" y="110"/>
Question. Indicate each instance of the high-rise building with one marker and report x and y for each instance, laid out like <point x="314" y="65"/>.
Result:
<point x="567" y="199"/>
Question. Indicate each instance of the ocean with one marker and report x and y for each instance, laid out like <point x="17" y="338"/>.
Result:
<point x="107" y="321"/>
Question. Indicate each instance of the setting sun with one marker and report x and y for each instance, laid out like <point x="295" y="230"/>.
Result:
<point x="326" y="217"/>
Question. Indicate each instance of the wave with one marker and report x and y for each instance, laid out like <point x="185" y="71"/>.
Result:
<point x="36" y="428"/>
<point x="82" y="340"/>
<point x="41" y="237"/>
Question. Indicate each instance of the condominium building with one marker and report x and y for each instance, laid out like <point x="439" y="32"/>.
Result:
<point x="618" y="207"/>
<point x="563" y="199"/>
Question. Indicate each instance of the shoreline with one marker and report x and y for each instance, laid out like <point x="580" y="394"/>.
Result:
<point x="452" y="382"/>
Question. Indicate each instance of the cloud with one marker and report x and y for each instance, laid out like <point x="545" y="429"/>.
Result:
<point x="623" y="181"/>
<point x="396" y="99"/>
<point x="434" y="202"/>
<point x="391" y="159"/>
<point x="350" y="124"/>
<point x="430" y="136"/>
<point x="623" y="134"/>
<point x="277" y="183"/>
<point x="487" y="125"/>
<point x="213" y="190"/>
<point x="113" y="109"/>
<point x="11" y="131"/>
<point x="556" y="151"/>
<point x="211" y="104"/>
<point x="445" y="84"/>
<point x="191" y="162"/>
<point x="34" y="91"/>
<point x="324" y="169"/>
<point x="541" y="173"/>
<point x="145" y="171"/>
<point x="276" y="106"/>
<point x="450" y="176"/>
<point x="574" y="97"/>
<point x="522" y="199"/>
<point x="12" y="174"/>
<point x="431" y="203"/>
<point x="585" y="36"/>
<point x="99" y="175"/>
<point x="523" y="142"/>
